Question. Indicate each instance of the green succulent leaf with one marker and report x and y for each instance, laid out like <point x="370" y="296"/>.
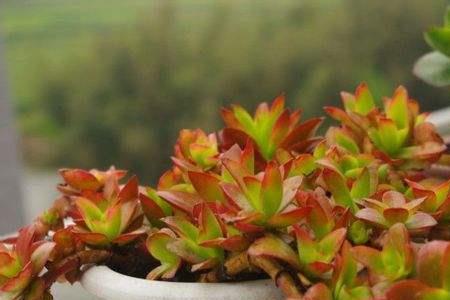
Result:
<point x="434" y="69"/>
<point x="439" y="39"/>
<point x="271" y="192"/>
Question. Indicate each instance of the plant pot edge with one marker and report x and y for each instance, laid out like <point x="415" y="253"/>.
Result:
<point x="107" y="284"/>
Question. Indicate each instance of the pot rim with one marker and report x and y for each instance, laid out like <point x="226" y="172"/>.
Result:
<point x="105" y="283"/>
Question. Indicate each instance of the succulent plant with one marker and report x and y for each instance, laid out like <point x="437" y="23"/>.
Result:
<point x="432" y="280"/>
<point x="21" y="264"/>
<point x="110" y="216"/>
<point x="395" y="260"/>
<point x="271" y="128"/>
<point x="195" y="146"/>
<point x="394" y="208"/>
<point x="355" y="215"/>
<point x="398" y="135"/>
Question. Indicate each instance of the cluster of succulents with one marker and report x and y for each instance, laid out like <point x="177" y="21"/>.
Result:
<point x="356" y="214"/>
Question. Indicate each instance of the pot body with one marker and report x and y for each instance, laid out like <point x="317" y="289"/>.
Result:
<point x="109" y="285"/>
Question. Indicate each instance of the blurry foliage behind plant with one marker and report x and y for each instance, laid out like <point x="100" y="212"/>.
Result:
<point x="124" y="98"/>
<point x="434" y="67"/>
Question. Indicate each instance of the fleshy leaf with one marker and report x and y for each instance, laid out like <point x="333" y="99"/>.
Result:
<point x="271" y="190"/>
<point x="272" y="246"/>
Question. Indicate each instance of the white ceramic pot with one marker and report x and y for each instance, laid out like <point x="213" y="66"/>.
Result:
<point x="109" y="285"/>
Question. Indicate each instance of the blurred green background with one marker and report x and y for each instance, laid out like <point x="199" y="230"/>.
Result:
<point x="97" y="82"/>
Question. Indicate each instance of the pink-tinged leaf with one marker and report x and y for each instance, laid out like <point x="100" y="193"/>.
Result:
<point x="207" y="186"/>
<point x="413" y="206"/>
<point x="234" y="243"/>
<point x="304" y="164"/>
<point x="80" y="179"/>
<point x="113" y="220"/>
<point x="88" y="210"/>
<point x="168" y="179"/>
<point x="237" y="171"/>
<point x="129" y="191"/>
<point x="318" y="268"/>
<point x="320" y="219"/>
<point x="287" y="218"/>
<point x="209" y="225"/>
<point x="205" y="265"/>
<point x="247" y="227"/>
<point x="388" y="136"/>
<point x="278" y="104"/>
<point x="272" y="246"/>
<point x="397" y="108"/>
<point x="126" y="238"/>
<point x="23" y="244"/>
<point x="150" y="208"/>
<point x="181" y="200"/>
<point x="229" y="118"/>
<point x="185" y="165"/>
<point x="192" y="254"/>
<point x="331" y="243"/>
<point x="230" y="136"/>
<point x="429" y="262"/>
<point x="248" y="157"/>
<point x="372" y="216"/>
<point x="271" y="190"/>
<point x="302" y="132"/>
<point x="365" y="185"/>
<point x="306" y="247"/>
<point x="157" y="246"/>
<point x="20" y="282"/>
<point x="290" y="189"/>
<point x="318" y="291"/>
<point x="364" y="102"/>
<point x="6" y="261"/>
<point x="396" y="215"/>
<point x="406" y="289"/>
<point x="420" y="220"/>
<point x="394" y="199"/>
<point x="280" y="129"/>
<point x="341" y="116"/>
<point x="244" y="118"/>
<point x="182" y="227"/>
<point x="337" y="186"/>
<point x="40" y="256"/>
<point x="306" y="145"/>
<point x="235" y="196"/>
<point x="374" y="204"/>
<point x="369" y="257"/>
<point x="91" y="238"/>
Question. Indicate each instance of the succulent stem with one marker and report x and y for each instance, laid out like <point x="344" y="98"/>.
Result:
<point x="279" y="275"/>
<point x="236" y="264"/>
<point x="74" y="262"/>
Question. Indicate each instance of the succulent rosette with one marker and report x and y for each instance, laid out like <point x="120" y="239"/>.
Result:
<point x="265" y="199"/>
<point x="432" y="279"/>
<point x="394" y="208"/>
<point x="399" y="135"/>
<point x="197" y="148"/>
<point x="109" y="216"/>
<point x="21" y="264"/>
<point x="201" y="243"/>
<point x="272" y="127"/>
